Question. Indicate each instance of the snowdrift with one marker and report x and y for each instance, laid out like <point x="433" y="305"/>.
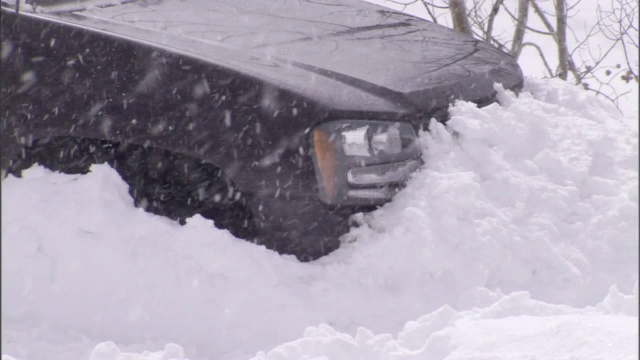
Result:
<point x="517" y="239"/>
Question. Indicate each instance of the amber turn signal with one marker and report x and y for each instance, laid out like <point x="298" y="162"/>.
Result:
<point x="326" y="161"/>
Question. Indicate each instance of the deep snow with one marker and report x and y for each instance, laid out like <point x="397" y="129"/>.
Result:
<point x="517" y="239"/>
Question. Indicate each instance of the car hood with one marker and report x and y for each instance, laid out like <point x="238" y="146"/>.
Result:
<point x="347" y="50"/>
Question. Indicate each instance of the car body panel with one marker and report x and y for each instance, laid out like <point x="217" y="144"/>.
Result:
<point x="122" y="91"/>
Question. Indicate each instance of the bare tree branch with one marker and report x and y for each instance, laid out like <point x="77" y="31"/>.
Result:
<point x="492" y="17"/>
<point x="542" y="16"/>
<point x="541" y="53"/>
<point x="515" y="18"/>
<point x="431" y="15"/>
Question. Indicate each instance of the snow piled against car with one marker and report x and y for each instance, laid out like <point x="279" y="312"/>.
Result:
<point x="518" y="238"/>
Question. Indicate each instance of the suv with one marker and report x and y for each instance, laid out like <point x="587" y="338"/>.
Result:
<point x="277" y="119"/>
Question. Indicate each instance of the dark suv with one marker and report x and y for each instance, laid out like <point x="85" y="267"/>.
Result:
<point x="277" y="119"/>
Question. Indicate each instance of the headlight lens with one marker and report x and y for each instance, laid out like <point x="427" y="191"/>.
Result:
<point x="361" y="162"/>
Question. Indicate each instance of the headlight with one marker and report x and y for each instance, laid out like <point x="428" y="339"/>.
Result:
<point x="361" y="162"/>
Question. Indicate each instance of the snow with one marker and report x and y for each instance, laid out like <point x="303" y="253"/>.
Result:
<point x="518" y="239"/>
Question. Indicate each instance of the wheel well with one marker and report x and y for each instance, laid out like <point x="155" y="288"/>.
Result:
<point x="162" y="182"/>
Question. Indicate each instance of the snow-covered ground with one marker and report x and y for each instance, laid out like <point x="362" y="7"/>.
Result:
<point x="517" y="240"/>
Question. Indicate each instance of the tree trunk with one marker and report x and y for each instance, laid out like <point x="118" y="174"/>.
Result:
<point x="521" y="26"/>
<point x="459" y="16"/>
<point x="561" y="38"/>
